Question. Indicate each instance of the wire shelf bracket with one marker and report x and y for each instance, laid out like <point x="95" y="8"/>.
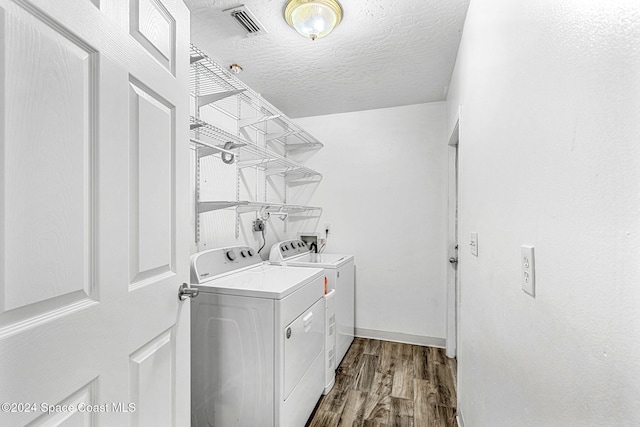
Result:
<point x="203" y="100"/>
<point x="209" y="206"/>
<point x="255" y="120"/>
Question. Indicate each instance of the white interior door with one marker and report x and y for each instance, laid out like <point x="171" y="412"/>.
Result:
<point x="452" y="271"/>
<point x="93" y="209"/>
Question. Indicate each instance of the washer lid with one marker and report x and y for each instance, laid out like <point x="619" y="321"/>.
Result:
<point x="263" y="281"/>
<point x="322" y="260"/>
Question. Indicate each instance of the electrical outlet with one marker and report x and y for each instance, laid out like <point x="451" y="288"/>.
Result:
<point x="474" y="244"/>
<point x="528" y="270"/>
<point x="258" y="225"/>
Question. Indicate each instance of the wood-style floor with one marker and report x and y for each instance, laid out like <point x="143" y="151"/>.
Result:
<point x="385" y="384"/>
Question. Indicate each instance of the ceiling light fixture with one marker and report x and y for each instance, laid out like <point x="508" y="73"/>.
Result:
<point x="313" y="18"/>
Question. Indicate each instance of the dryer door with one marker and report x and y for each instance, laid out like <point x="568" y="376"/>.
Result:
<point x="303" y="343"/>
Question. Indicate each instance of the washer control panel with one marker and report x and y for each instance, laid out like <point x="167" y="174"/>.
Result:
<point x="287" y="249"/>
<point x="209" y="264"/>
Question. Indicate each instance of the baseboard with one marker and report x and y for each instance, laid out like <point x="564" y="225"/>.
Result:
<point x="401" y="337"/>
<point x="460" y="418"/>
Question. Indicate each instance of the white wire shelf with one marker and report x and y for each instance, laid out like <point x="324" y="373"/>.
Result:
<point x="249" y="154"/>
<point x="278" y="209"/>
<point x="274" y="208"/>
<point x="213" y="83"/>
<point x="217" y="205"/>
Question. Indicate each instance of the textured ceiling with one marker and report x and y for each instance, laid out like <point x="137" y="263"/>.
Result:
<point x="385" y="53"/>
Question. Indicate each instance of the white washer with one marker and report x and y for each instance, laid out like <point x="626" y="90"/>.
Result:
<point x="257" y="340"/>
<point x="339" y="270"/>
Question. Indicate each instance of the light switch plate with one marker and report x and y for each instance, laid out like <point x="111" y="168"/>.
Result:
<point x="474" y="244"/>
<point x="528" y="270"/>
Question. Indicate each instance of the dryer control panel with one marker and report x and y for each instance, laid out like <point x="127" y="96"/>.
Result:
<point x="287" y="249"/>
<point x="209" y="264"/>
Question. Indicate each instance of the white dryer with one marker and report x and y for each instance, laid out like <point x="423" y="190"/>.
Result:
<point x="257" y="340"/>
<point x="339" y="270"/>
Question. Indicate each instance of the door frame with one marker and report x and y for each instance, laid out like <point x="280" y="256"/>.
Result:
<point x="453" y="285"/>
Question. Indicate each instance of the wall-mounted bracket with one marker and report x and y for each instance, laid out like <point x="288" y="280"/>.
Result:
<point x="251" y="163"/>
<point x="292" y="148"/>
<point x="203" y="100"/>
<point x="278" y="135"/>
<point x="217" y="205"/>
<point x="196" y="58"/>
<point x="255" y="120"/>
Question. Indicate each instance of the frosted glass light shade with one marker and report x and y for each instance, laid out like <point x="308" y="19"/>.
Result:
<point x="313" y="18"/>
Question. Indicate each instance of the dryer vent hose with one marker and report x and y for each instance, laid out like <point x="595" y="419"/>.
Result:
<point x="228" y="158"/>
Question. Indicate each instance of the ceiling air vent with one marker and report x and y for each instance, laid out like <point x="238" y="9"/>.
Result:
<point x="247" y="20"/>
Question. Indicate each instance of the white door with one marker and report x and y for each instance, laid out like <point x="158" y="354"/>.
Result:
<point x="452" y="271"/>
<point x="93" y="209"/>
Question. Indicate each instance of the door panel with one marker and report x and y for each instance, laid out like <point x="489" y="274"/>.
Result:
<point x="93" y="213"/>
<point x="85" y="397"/>
<point x="152" y="381"/>
<point x="151" y="185"/>
<point x="47" y="220"/>
<point x="154" y="28"/>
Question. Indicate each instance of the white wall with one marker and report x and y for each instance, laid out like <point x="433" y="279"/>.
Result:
<point x="550" y="156"/>
<point x="384" y="194"/>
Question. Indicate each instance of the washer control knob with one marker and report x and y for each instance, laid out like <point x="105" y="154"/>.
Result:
<point x="231" y="255"/>
<point x="243" y="253"/>
<point x="282" y="248"/>
<point x="250" y="252"/>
